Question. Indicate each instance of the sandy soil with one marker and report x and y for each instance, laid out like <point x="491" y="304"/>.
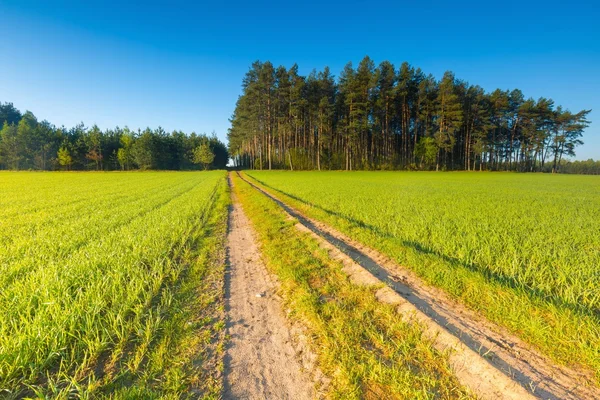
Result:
<point x="262" y="359"/>
<point x="485" y="357"/>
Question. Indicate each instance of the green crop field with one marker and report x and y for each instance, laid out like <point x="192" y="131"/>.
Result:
<point x="109" y="282"/>
<point x="524" y="250"/>
<point x="112" y="285"/>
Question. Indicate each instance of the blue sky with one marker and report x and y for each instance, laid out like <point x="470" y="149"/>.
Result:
<point x="180" y="64"/>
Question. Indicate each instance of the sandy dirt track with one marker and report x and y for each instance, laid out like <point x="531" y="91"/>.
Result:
<point x="260" y="361"/>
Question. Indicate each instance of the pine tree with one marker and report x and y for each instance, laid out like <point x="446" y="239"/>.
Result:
<point x="64" y="157"/>
<point x="450" y="115"/>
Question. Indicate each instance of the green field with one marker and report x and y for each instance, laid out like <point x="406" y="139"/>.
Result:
<point x="522" y="249"/>
<point x="109" y="283"/>
<point x="112" y="284"/>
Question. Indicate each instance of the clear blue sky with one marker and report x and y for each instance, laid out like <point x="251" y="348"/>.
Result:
<point x="180" y="64"/>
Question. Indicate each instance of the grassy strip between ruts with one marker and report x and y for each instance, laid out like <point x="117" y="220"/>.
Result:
<point x="566" y="334"/>
<point x="363" y="345"/>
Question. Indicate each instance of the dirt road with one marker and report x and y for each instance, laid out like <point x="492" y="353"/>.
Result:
<point x="260" y="360"/>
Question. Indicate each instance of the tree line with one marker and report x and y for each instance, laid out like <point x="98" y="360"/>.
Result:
<point x="587" y="167"/>
<point x="388" y="118"/>
<point x="26" y="143"/>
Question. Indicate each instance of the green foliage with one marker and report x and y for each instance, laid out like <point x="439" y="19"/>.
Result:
<point x="426" y="151"/>
<point x="203" y="155"/>
<point x="144" y="151"/>
<point x="26" y="143"/>
<point x="590" y="167"/>
<point x="9" y="114"/>
<point x="93" y="141"/>
<point x="520" y="249"/>
<point x="111" y="284"/>
<point x="64" y="157"/>
<point x="375" y="118"/>
<point x="10" y="146"/>
<point x="449" y="114"/>
<point x="124" y="154"/>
